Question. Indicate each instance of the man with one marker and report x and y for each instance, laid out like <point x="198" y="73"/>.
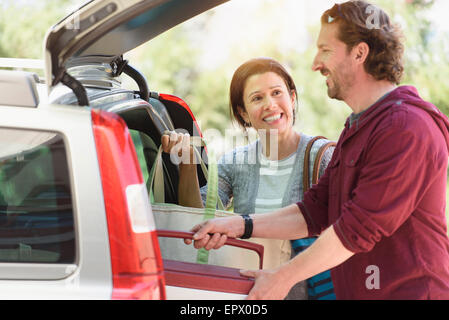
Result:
<point x="380" y="206"/>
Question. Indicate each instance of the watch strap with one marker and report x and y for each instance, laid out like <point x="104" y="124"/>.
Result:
<point x="248" y="227"/>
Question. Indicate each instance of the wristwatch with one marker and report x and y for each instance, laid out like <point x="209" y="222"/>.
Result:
<point x="248" y="227"/>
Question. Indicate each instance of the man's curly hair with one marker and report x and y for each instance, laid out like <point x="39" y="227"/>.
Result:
<point x="360" y="21"/>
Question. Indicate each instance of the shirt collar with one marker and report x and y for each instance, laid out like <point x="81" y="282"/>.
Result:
<point x="354" y="117"/>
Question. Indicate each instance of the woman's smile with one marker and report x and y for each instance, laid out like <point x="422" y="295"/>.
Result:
<point x="273" y="118"/>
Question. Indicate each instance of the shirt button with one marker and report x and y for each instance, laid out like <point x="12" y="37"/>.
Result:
<point x="354" y="237"/>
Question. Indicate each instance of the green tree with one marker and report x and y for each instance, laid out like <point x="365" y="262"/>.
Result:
<point x="426" y="53"/>
<point x="168" y="62"/>
<point x="23" y="25"/>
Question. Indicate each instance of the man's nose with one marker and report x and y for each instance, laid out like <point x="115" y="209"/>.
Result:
<point x="316" y="64"/>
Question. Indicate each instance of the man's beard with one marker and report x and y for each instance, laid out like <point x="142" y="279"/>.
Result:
<point x="334" y="92"/>
<point x="338" y="85"/>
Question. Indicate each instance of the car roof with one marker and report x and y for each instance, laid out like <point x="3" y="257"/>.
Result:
<point x="102" y="30"/>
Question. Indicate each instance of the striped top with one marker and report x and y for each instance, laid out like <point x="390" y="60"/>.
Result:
<point x="273" y="182"/>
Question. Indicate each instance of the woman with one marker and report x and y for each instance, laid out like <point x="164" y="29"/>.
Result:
<point x="265" y="175"/>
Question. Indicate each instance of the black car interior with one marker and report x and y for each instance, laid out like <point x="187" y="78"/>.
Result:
<point x="147" y="114"/>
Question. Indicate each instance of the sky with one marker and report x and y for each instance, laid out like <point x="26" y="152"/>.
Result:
<point x="439" y="15"/>
<point x="290" y="17"/>
<point x="283" y="15"/>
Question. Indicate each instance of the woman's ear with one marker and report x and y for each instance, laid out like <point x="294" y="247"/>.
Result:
<point x="294" y="105"/>
<point x="293" y="97"/>
<point x="244" y="115"/>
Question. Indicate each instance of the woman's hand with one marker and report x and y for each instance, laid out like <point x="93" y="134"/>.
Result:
<point x="212" y="234"/>
<point x="178" y="145"/>
<point x="182" y="154"/>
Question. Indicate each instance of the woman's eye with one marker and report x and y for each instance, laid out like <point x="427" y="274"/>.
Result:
<point x="256" y="98"/>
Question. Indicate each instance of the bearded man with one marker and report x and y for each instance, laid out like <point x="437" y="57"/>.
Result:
<point x="379" y="209"/>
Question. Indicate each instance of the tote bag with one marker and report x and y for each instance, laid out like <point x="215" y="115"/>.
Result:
<point x="179" y="218"/>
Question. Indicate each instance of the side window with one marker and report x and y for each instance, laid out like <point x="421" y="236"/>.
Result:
<point x="36" y="216"/>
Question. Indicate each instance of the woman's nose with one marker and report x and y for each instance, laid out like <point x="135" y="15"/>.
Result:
<point x="269" y="103"/>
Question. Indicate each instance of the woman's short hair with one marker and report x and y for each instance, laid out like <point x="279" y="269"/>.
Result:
<point x="252" y="67"/>
<point x="360" y="21"/>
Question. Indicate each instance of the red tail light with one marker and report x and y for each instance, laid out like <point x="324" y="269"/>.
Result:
<point x="135" y="255"/>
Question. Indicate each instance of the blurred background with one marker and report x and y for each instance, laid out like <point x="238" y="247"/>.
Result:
<point x="196" y="60"/>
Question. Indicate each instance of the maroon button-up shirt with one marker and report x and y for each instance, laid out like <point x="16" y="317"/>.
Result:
<point x="384" y="192"/>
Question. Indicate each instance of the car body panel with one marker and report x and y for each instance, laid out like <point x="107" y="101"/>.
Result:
<point x="90" y="275"/>
<point x="109" y="28"/>
<point x="182" y="293"/>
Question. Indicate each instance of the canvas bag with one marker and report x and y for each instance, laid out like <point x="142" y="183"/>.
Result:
<point x="175" y="217"/>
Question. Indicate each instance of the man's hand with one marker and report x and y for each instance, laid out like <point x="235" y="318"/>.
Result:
<point x="269" y="284"/>
<point x="325" y="253"/>
<point x="212" y="234"/>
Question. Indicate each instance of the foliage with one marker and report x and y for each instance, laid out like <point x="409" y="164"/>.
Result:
<point x="426" y="55"/>
<point x="181" y="63"/>
<point x="174" y="62"/>
<point x="23" y="26"/>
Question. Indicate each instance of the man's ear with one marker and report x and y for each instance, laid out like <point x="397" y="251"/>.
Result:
<point x="360" y="52"/>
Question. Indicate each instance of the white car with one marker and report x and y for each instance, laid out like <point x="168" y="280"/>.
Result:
<point x="75" y="218"/>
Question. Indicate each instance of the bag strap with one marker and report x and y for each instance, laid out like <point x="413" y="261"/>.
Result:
<point x="319" y="157"/>
<point x="305" y="171"/>
<point x="157" y="177"/>
<point x="202" y="255"/>
<point x="316" y="166"/>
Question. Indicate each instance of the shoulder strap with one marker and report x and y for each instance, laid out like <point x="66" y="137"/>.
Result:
<point x="319" y="157"/>
<point x="316" y="165"/>
<point x="305" y="173"/>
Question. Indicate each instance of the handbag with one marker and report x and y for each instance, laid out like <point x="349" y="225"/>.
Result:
<point x="179" y="218"/>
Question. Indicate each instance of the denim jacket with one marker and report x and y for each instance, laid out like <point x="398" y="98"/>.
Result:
<point x="238" y="175"/>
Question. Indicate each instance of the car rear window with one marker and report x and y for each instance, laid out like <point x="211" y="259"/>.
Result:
<point x="36" y="216"/>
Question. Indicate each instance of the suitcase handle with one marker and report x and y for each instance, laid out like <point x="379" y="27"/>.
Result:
<point x="230" y="242"/>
